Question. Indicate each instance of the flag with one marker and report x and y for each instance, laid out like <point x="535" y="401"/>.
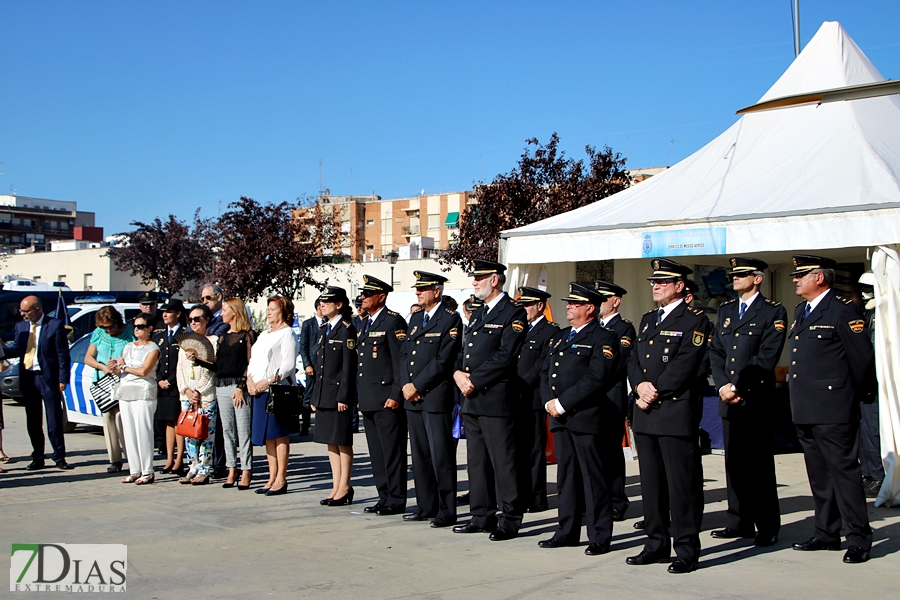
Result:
<point x="62" y="313"/>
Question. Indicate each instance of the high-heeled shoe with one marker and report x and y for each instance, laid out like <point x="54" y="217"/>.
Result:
<point x="326" y="501"/>
<point x="228" y="484"/>
<point x="279" y="491"/>
<point x="167" y="469"/>
<point x="243" y="486"/>
<point x="262" y="490"/>
<point x="346" y="499"/>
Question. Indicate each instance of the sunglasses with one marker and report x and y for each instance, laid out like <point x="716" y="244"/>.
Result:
<point x="208" y="298"/>
<point x="141" y="327"/>
<point x="26" y="311"/>
<point x="196" y="319"/>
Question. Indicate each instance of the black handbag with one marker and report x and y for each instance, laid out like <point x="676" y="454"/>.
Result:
<point x="284" y="400"/>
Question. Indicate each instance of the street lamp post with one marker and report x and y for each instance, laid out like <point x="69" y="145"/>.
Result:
<point x="392" y="257"/>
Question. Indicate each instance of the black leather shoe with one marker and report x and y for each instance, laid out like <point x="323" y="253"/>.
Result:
<point x="555" y="543"/>
<point x="765" y="539"/>
<point x="279" y="492"/>
<point x="115" y="467"/>
<point x="438" y="523"/>
<point x="372" y="509"/>
<point x="815" y="543"/>
<point x="538" y="508"/>
<point x="469" y="528"/>
<point x="63" y="465"/>
<point x="596" y="550"/>
<point x="646" y="558"/>
<point x="729" y="534"/>
<point x="386" y="511"/>
<point x="638" y="525"/>
<point x="682" y="565"/>
<point x="501" y="535"/>
<point x="35" y="465"/>
<point x="261" y="490"/>
<point x="618" y="516"/>
<point x="855" y="555"/>
<point x="462" y="499"/>
<point x="415" y="516"/>
<point x="345" y="500"/>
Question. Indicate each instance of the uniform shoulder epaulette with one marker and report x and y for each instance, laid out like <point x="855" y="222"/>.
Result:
<point x="651" y="311"/>
<point x="727" y="302"/>
<point x="801" y="302"/>
<point x="347" y="323"/>
<point x="772" y="302"/>
<point x="393" y="313"/>
<point x="553" y="324"/>
<point x="697" y="311"/>
<point x="450" y="312"/>
<point x="624" y="320"/>
<point x="843" y="299"/>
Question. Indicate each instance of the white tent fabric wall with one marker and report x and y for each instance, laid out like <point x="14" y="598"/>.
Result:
<point x="886" y="269"/>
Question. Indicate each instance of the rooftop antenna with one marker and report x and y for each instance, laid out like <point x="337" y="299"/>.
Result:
<point x="795" y="17"/>
<point x="671" y="143"/>
<point x="323" y="191"/>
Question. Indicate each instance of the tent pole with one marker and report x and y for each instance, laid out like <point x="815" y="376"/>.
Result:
<point x="796" y="15"/>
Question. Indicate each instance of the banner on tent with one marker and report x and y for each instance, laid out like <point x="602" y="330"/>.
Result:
<point x="683" y="242"/>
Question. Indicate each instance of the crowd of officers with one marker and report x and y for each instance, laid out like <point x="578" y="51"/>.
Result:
<point x="509" y="369"/>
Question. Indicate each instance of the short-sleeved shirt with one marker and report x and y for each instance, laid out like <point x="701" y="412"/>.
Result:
<point x="110" y="346"/>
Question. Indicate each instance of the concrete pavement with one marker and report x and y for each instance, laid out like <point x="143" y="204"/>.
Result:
<point x="210" y="542"/>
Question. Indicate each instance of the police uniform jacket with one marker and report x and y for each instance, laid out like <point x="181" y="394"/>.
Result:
<point x="531" y="362"/>
<point x="167" y="367"/>
<point x="744" y="352"/>
<point x="580" y="373"/>
<point x="669" y="356"/>
<point x="624" y="329"/>
<point x="832" y="362"/>
<point x="379" y="361"/>
<point x="427" y="358"/>
<point x="335" y="367"/>
<point x="491" y="347"/>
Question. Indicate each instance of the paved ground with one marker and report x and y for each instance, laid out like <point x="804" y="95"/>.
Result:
<point x="209" y="542"/>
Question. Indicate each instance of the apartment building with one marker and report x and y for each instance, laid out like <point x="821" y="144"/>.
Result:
<point x="35" y="222"/>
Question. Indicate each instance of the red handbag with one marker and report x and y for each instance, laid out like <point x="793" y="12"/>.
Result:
<point x="192" y="424"/>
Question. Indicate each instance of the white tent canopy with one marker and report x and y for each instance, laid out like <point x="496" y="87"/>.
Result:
<point x="809" y="177"/>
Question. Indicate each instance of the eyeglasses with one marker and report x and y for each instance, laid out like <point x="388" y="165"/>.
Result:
<point x="26" y="311"/>
<point x="141" y="327"/>
<point x="208" y="298"/>
<point x="196" y="319"/>
<point x="662" y="282"/>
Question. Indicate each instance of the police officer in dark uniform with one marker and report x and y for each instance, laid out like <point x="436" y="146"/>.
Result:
<point x="580" y="369"/>
<point x="747" y="342"/>
<point x="381" y="334"/>
<point x="831" y="372"/>
<point x="168" y="398"/>
<point x="426" y="380"/>
<point x="149" y="302"/>
<point x="869" y="435"/>
<point x="662" y="370"/>
<point x="486" y="377"/>
<point x="530" y="415"/>
<point x="610" y="318"/>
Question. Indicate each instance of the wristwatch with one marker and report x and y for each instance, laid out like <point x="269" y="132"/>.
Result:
<point x="732" y="388"/>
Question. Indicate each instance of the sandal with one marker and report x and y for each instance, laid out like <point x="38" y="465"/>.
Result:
<point x="130" y="479"/>
<point x="186" y="479"/>
<point x="4" y="459"/>
<point x="145" y="479"/>
<point x="200" y="480"/>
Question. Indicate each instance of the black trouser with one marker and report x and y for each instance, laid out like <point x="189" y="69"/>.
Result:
<point x="613" y="458"/>
<point x="870" y="443"/>
<point x="670" y="467"/>
<point x="750" y="476"/>
<point x="40" y="398"/>
<point x="835" y="477"/>
<point x="491" y="455"/>
<point x="434" y="463"/>
<point x="581" y="472"/>
<point x="531" y="456"/>
<point x="386" y="438"/>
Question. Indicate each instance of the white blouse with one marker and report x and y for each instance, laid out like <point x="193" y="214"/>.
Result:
<point x="274" y="352"/>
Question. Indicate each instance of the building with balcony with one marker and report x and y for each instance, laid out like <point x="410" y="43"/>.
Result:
<point x="35" y="222"/>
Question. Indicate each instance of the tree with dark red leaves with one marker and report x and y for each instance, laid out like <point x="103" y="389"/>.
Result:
<point x="544" y="183"/>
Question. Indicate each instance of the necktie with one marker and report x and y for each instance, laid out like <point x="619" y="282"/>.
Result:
<point x="571" y="335"/>
<point x="328" y="330"/>
<point x="171" y="335"/>
<point x="806" y="312"/>
<point x="28" y="359"/>
<point x="743" y="310"/>
<point x="660" y="315"/>
<point x="324" y="320"/>
<point x="366" y="328"/>
<point x="425" y="320"/>
<point x="530" y="325"/>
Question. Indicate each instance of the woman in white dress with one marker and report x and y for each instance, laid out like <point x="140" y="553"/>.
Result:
<point x="137" y="400"/>
<point x="273" y="360"/>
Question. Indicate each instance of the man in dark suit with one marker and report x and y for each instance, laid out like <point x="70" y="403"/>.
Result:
<point x="575" y="380"/>
<point x="40" y="342"/>
<point x="486" y="377"/>
<point x="427" y="358"/>
<point x="309" y="343"/>
<point x="213" y="296"/>
<point x="380" y="337"/>
<point x="610" y="318"/>
<point x="746" y="345"/>
<point x="662" y="370"/>
<point x="529" y="413"/>
<point x="831" y="373"/>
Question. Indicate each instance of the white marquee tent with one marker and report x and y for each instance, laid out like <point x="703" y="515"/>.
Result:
<point x="809" y="178"/>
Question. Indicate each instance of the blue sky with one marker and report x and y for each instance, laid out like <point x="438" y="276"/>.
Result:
<point x="137" y="110"/>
